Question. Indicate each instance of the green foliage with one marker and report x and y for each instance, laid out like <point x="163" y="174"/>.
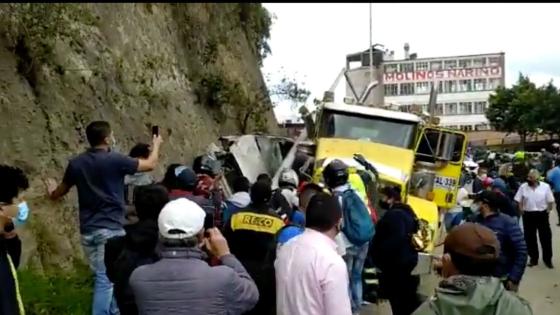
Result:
<point x="256" y="22"/>
<point x="525" y="108"/>
<point x="289" y="89"/>
<point x="56" y="293"/>
<point x="39" y="25"/>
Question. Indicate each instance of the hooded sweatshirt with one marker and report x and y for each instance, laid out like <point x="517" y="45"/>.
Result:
<point x="238" y="201"/>
<point x="467" y="295"/>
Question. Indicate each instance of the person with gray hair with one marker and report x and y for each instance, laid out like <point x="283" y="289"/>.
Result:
<point x="182" y="282"/>
<point x="535" y="200"/>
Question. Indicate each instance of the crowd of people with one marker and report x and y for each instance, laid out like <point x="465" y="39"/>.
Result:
<point x="179" y="246"/>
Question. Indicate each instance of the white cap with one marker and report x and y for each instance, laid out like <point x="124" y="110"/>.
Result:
<point x="183" y="215"/>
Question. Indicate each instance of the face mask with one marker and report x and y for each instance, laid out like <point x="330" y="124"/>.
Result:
<point x="22" y="215"/>
<point x="384" y="204"/>
<point x="475" y="207"/>
<point x="113" y="146"/>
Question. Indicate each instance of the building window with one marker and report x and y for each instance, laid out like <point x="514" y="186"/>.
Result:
<point x="450" y="87"/>
<point x="407" y="67"/>
<point x="407" y="88"/>
<point x="439" y="109"/>
<point x="422" y="87"/>
<point x="389" y="68"/>
<point x="451" y="108"/>
<point x="421" y="66"/>
<point x="479" y="84"/>
<point x="493" y="83"/>
<point x="479" y="107"/>
<point x="465" y="108"/>
<point x="479" y="62"/>
<point x="494" y="61"/>
<point x="450" y="64"/>
<point x="440" y="86"/>
<point x="465" y="63"/>
<point x="465" y="85"/>
<point x="391" y="89"/>
<point x="435" y="65"/>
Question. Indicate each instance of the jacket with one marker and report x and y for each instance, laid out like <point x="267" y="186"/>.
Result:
<point x="513" y="250"/>
<point x="123" y="254"/>
<point x="251" y="235"/>
<point x="182" y="283"/>
<point x="392" y="249"/>
<point x="10" y="298"/>
<point x="461" y="295"/>
<point x="239" y="200"/>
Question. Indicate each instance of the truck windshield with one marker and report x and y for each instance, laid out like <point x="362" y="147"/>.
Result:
<point x="368" y="128"/>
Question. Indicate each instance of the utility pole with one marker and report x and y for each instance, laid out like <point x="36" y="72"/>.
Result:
<point x="370" y="50"/>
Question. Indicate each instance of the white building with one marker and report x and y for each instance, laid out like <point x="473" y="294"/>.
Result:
<point x="464" y="84"/>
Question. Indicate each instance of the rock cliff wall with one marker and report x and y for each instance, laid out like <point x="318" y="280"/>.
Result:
<point x="192" y="69"/>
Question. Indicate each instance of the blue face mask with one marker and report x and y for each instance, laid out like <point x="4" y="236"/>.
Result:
<point x="22" y="215"/>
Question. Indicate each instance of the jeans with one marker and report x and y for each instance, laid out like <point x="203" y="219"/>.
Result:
<point x="355" y="259"/>
<point x="94" y="248"/>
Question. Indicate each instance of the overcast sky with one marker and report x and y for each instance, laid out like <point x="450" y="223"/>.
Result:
<point x="309" y="42"/>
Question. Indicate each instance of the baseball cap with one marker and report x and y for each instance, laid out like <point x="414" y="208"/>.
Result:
<point x="181" y="218"/>
<point x="474" y="241"/>
<point x="488" y="197"/>
<point x="186" y="177"/>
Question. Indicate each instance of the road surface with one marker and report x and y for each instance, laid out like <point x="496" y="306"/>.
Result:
<point x="540" y="285"/>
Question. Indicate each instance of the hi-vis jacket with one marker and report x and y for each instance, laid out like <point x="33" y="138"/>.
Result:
<point x="251" y="235"/>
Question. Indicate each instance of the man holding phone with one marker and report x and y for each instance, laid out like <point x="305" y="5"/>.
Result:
<point x="182" y="283"/>
<point x="99" y="175"/>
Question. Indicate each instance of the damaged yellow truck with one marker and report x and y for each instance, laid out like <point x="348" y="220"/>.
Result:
<point x="405" y="149"/>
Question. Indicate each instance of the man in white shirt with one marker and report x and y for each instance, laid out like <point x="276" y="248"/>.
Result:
<point x="311" y="277"/>
<point x="535" y="201"/>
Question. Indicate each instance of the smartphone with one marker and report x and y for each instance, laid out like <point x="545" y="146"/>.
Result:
<point x="155" y="130"/>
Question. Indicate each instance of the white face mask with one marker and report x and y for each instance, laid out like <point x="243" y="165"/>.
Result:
<point x="475" y="207"/>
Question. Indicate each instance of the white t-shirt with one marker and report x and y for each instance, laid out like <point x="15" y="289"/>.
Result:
<point x="534" y="199"/>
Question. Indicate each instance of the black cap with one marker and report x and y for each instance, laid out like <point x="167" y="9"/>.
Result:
<point x="488" y="197"/>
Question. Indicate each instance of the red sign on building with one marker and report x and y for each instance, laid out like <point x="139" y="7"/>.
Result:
<point x="449" y="74"/>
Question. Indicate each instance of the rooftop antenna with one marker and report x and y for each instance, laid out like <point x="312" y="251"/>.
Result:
<point x="370" y="49"/>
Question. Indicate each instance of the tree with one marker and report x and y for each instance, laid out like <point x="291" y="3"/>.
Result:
<point x="514" y="109"/>
<point x="290" y="90"/>
<point x="549" y="110"/>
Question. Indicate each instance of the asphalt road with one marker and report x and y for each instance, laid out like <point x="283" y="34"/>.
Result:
<point x="540" y="285"/>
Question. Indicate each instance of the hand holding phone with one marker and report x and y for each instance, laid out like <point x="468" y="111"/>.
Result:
<point x="216" y="243"/>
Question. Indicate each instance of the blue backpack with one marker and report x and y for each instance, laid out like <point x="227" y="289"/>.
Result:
<point x="357" y="223"/>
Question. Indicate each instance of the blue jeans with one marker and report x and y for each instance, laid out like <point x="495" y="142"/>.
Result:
<point x="355" y="259"/>
<point x="94" y="248"/>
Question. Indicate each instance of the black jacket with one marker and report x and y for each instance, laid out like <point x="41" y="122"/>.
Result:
<point x="251" y="235"/>
<point x="9" y="299"/>
<point x="392" y="249"/>
<point x="124" y="254"/>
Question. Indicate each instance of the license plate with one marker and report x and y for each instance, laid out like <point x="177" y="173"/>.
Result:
<point x="444" y="182"/>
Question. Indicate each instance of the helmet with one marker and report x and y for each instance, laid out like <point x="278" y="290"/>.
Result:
<point x="335" y="174"/>
<point x="288" y="177"/>
<point x="206" y="164"/>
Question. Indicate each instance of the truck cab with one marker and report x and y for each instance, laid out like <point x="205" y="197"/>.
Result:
<point x="405" y="151"/>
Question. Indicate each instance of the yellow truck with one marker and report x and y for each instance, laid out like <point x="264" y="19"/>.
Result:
<point x="424" y="160"/>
